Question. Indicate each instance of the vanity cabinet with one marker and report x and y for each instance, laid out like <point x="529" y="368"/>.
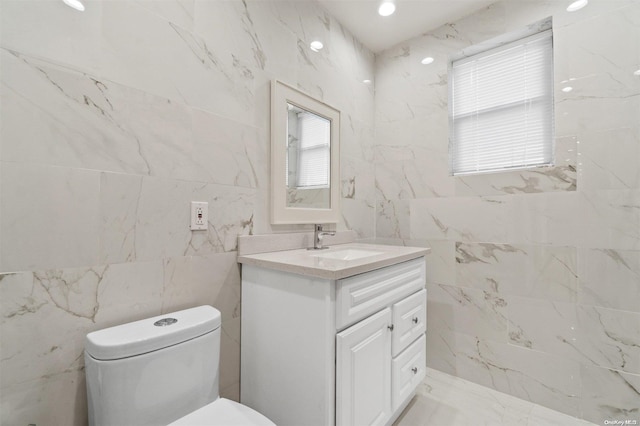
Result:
<point x="317" y="351"/>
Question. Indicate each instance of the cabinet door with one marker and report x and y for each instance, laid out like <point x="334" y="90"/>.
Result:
<point x="363" y="372"/>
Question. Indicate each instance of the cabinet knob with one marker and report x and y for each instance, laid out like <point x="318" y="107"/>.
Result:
<point x="390" y="327"/>
<point x="415" y="370"/>
<point x="415" y="320"/>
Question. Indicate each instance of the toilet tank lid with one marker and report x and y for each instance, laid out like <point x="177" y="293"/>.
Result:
<point x="148" y="335"/>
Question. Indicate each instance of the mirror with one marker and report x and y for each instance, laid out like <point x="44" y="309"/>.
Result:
<point x="305" y="148"/>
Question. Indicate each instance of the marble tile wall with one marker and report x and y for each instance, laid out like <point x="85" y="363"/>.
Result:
<point x="112" y="121"/>
<point x="534" y="278"/>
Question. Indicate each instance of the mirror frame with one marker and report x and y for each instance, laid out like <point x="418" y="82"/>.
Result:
<point x="281" y="94"/>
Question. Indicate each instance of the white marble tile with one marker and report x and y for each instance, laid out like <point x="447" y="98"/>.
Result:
<point x="50" y="217"/>
<point x="609" y="278"/>
<point x="392" y="219"/>
<point x="424" y="175"/>
<point x="610" y="159"/>
<point x="441" y="262"/>
<point x="213" y="280"/>
<point x="141" y="282"/>
<point x="30" y="348"/>
<point x="545" y="326"/>
<point x="562" y="177"/>
<point x="477" y="313"/>
<point x="449" y="218"/>
<point x="357" y="179"/>
<point x="76" y="120"/>
<point x="583" y="115"/>
<point x="180" y="12"/>
<point x="609" y="338"/>
<point x="443" y="346"/>
<point x="356" y="139"/>
<point x="359" y="216"/>
<point x="58" y="116"/>
<point x="545" y="272"/>
<point x="609" y="395"/>
<point x="447" y="400"/>
<point x="550" y="237"/>
<point x="230" y="357"/>
<point x="46" y="314"/>
<point x="119" y="203"/>
<point x="57" y="399"/>
<point x="192" y="74"/>
<point x="150" y="219"/>
<point x="246" y="30"/>
<point x="207" y="280"/>
<point x="592" y="59"/>
<point x="393" y="138"/>
<point x="226" y="152"/>
<point x="535" y="376"/>
<point x="538" y="377"/>
<point x="609" y="219"/>
<point x="549" y="218"/>
<point x="523" y="13"/>
<point x="54" y="31"/>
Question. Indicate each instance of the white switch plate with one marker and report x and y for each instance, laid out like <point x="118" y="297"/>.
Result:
<point x="199" y="215"/>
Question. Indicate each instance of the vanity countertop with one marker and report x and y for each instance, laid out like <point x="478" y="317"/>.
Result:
<point x="318" y="263"/>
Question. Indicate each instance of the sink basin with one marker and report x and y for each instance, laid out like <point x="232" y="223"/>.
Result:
<point x="346" y="254"/>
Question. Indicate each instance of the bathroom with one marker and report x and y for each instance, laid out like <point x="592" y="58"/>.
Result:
<point x="116" y="118"/>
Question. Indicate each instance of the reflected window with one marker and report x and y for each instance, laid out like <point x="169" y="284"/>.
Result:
<point x="308" y="149"/>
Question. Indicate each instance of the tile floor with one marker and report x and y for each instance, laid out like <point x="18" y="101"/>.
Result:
<point x="444" y="400"/>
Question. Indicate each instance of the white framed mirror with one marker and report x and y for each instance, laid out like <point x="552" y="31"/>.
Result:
<point x="305" y="158"/>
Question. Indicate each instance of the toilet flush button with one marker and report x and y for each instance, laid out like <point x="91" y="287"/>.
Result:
<point x="165" y="322"/>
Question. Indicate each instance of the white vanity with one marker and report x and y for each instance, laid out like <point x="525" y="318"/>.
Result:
<point x="333" y="336"/>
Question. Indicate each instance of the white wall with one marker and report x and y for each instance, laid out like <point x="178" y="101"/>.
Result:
<point x="113" y="120"/>
<point x="534" y="280"/>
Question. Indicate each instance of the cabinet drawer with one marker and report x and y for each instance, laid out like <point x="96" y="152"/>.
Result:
<point x="408" y="370"/>
<point x="409" y="320"/>
<point x="362" y="295"/>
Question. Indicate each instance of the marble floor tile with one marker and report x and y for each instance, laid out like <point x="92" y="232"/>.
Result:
<point x="442" y="400"/>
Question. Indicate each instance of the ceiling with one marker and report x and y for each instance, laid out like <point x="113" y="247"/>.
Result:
<point x="412" y="18"/>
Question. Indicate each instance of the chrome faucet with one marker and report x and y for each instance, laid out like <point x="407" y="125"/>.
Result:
<point x="318" y="234"/>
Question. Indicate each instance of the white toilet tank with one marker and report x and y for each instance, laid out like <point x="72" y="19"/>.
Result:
<point x="153" y="371"/>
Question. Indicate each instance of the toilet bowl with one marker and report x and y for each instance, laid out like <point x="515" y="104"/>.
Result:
<point x="159" y="371"/>
<point x="223" y="412"/>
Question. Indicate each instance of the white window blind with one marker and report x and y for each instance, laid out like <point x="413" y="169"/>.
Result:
<point x="501" y="107"/>
<point x="314" y="152"/>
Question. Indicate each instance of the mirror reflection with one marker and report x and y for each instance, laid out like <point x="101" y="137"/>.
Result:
<point x="305" y="158"/>
<point x="308" y="153"/>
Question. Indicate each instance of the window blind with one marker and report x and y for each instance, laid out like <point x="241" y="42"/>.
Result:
<point x="314" y="152"/>
<point x="501" y="107"/>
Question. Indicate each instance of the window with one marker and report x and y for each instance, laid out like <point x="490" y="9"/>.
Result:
<point x="501" y="107"/>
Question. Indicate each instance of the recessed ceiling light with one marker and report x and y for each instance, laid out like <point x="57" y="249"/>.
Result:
<point x="426" y="61"/>
<point x="387" y="8"/>
<point x="366" y="81"/>
<point x="567" y="89"/>
<point x="637" y="72"/>
<point x="316" y="45"/>
<point x="76" y="4"/>
<point x="577" y="5"/>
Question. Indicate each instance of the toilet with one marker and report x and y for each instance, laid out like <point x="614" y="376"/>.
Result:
<point x="160" y="371"/>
